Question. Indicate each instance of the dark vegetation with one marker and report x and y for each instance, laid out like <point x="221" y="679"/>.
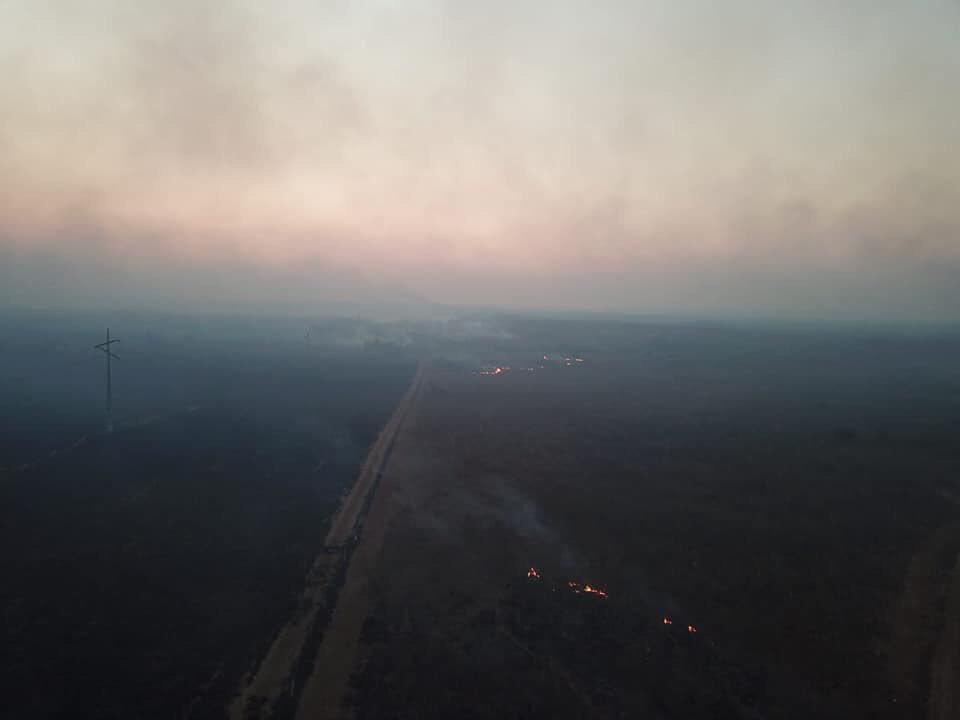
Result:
<point x="793" y="493"/>
<point x="145" y="571"/>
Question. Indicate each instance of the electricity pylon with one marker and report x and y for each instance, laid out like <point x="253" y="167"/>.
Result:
<point x="104" y="347"/>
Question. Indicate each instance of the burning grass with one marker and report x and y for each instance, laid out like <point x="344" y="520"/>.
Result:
<point x="548" y="361"/>
<point x="593" y="590"/>
<point x="585" y="588"/>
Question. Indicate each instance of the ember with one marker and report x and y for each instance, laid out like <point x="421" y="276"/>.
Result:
<point x="691" y="629"/>
<point x="534" y="574"/>
<point x="667" y="621"/>
<point x="589" y="589"/>
<point x="594" y="591"/>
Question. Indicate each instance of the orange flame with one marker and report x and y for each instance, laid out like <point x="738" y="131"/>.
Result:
<point x="534" y="574"/>
<point x="691" y="629"/>
<point x="667" y="621"/>
<point x="589" y="589"/>
<point x="594" y="591"/>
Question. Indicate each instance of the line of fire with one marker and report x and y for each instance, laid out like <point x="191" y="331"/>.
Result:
<point x="534" y="574"/>
<point x="543" y="364"/>
<point x="573" y="585"/>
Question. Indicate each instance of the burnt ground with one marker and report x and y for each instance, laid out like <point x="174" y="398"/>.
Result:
<point x="791" y="497"/>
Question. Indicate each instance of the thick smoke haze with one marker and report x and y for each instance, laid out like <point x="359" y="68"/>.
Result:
<point x="770" y="158"/>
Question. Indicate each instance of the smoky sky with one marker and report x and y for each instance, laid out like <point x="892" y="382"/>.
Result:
<point x="761" y="157"/>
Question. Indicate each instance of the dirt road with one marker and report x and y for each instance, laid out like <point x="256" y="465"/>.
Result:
<point x="347" y="520"/>
<point x="323" y="694"/>
<point x="275" y="687"/>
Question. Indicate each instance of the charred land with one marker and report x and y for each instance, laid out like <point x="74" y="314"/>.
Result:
<point x="771" y="512"/>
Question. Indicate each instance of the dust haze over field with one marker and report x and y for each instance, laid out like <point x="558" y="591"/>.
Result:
<point x="781" y="159"/>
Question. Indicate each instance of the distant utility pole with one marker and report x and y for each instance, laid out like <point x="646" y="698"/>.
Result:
<point x="104" y="347"/>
